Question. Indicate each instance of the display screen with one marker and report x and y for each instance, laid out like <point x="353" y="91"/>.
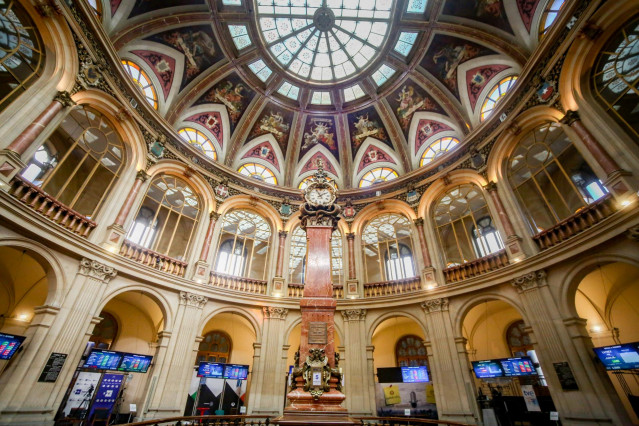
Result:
<point x="487" y="369"/>
<point x="9" y="344"/>
<point x="619" y="357"/>
<point x="211" y="370"/>
<point x="414" y="374"/>
<point x="237" y="372"/>
<point x="135" y="363"/>
<point x="504" y="367"/>
<point x="103" y="360"/>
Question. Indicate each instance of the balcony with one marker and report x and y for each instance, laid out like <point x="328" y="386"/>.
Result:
<point x="390" y="288"/>
<point x="476" y="267"/>
<point x="241" y="284"/>
<point x="296" y="290"/>
<point x="152" y="259"/>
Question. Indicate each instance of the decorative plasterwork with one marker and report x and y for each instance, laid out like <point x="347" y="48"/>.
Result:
<point x="435" y="305"/>
<point x="354" y="314"/>
<point x="274" y="312"/>
<point x="97" y="270"/>
<point x="529" y="281"/>
<point x="192" y="299"/>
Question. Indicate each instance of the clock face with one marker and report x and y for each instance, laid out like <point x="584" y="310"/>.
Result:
<point x="320" y="196"/>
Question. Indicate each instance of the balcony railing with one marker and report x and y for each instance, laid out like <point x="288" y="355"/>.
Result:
<point x="44" y="204"/>
<point x="476" y="267"/>
<point x="297" y="290"/>
<point x="389" y="288"/>
<point x="152" y="259"/>
<point x="243" y="284"/>
<point x="578" y="222"/>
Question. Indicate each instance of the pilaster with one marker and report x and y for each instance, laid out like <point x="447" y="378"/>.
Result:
<point x="357" y="380"/>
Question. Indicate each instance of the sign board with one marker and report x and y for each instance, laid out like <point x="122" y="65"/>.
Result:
<point x="317" y="334"/>
<point x="530" y="398"/>
<point x="407" y="411"/>
<point x="81" y="395"/>
<point x="554" y="416"/>
<point x="133" y="408"/>
<point x="52" y="369"/>
<point x="317" y="378"/>
<point x="565" y="376"/>
<point x="106" y="395"/>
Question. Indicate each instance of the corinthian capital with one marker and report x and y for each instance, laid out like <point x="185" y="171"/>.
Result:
<point x="192" y="299"/>
<point x="97" y="270"/>
<point x="529" y="281"/>
<point x="64" y="98"/>
<point x="274" y="312"/>
<point x="354" y="314"/>
<point x="435" y="305"/>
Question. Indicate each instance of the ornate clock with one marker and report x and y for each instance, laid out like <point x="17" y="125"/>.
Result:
<point x="319" y="196"/>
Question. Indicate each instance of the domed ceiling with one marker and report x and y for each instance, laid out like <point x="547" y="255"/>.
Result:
<point x="361" y="84"/>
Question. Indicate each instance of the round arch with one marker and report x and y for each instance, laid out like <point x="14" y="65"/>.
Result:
<point x="153" y="294"/>
<point x="255" y="205"/>
<point x="466" y="306"/>
<point x="450" y="181"/>
<point x="381" y="207"/>
<point x="242" y="312"/>
<point x="388" y="315"/>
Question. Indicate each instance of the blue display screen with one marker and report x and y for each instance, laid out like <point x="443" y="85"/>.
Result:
<point x="237" y="372"/>
<point x="103" y="360"/>
<point x="135" y="363"/>
<point x="487" y="369"/>
<point x="504" y="367"/>
<point x="9" y="344"/>
<point x="414" y="374"/>
<point x="619" y="357"/>
<point x="211" y="370"/>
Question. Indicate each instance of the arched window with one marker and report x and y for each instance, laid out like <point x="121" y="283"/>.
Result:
<point x="143" y="81"/>
<point x="105" y="332"/>
<point x="80" y="162"/>
<point x="518" y="339"/>
<point x="496" y="93"/>
<point x="464" y="225"/>
<point x="378" y="175"/>
<point x="199" y="141"/>
<point x="96" y="5"/>
<point x="244" y="245"/>
<point x="259" y="172"/>
<point x="550" y="177"/>
<point x="553" y="7"/>
<point x="304" y="183"/>
<point x="437" y="149"/>
<point x="388" y="248"/>
<point x="297" y="258"/>
<point x="410" y="352"/>
<point x="214" y="347"/>
<point x="616" y="74"/>
<point x="167" y="217"/>
<point x="21" y="52"/>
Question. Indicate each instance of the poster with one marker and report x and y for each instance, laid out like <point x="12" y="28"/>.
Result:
<point x="391" y="395"/>
<point x="530" y="398"/>
<point x="430" y="394"/>
<point x="106" y="395"/>
<point x="392" y="399"/>
<point x="565" y="376"/>
<point x="81" y="394"/>
<point x="52" y="369"/>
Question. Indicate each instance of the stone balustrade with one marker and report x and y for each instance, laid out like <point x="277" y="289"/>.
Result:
<point x="476" y="267"/>
<point x="242" y="284"/>
<point x="580" y="221"/>
<point x="389" y="288"/>
<point x="44" y="204"/>
<point x="152" y="259"/>
<point x="296" y="290"/>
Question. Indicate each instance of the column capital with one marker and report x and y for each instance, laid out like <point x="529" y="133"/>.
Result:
<point x="192" y="299"/>
<point x="633" y="233"/>
<point x="214" y="216"/>
<point x="350" y="236"/>
<point x="97" y="270"/>
<point x="491" y="186"/>
<point x="354" y="314"/>
<point x="435" y="305"/>
<point x="283" y="234"/>
<point x="570" y="118"/>
<point x="142" y="175"/>
<point x="274" y="312"/>
<point x="529" y="281"/>
<point x="64" y="98"/>
<point x="419" y="222"/>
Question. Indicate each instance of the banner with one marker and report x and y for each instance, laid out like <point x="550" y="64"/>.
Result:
<point x="393" y="399"/>
<point x="531" y="399"/>
<point x="107" y="395"/>
<point x="391" y="395"/>
<point x="430" y="394"/>
<point x="81" y="394"/>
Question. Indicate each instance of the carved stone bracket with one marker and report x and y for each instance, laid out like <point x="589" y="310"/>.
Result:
<point x="633" y="233"/>
<point x="274" y="312"/>
<point x="435" y="305"/>
<point x="192" y="299"/>
<point x="529" y="281"/>
<point x="316" y="362"/>
<point x="354" y="314"/>
<point x="97" y="270"/>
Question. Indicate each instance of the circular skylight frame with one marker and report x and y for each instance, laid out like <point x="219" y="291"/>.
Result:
<point x="349" y="36"/>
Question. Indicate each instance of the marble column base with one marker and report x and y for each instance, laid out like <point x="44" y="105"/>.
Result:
<point x="514" y="249"/>
<point x="10" y="165"/>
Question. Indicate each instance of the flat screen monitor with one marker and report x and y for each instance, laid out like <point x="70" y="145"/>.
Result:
<point x="414" y="374"/>
<point x="134" y="363"/>
<point x="522" y="366"/>
<point x="235" y="372"/>
<point x="389" y="375"/>
<point x="9" y="344"/>
<point x="103" y="360"/>
<point x="619" y="357"/>
<point x="211" y="370"/>
<point x="487" y="369"/>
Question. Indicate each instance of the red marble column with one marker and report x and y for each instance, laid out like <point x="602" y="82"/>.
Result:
<point x="140" y="178"/>
<point x="503" y="216"/>
<point x="206" y="246"/>
<point x="350" y="238"/>
<point x="30" y="134"/>
<point x="279" y="267"/>
<point x="419" y="223"/>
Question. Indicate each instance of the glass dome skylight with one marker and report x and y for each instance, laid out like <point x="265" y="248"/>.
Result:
<point x="324" y="40"/>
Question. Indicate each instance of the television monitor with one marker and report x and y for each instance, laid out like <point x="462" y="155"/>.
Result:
<point x="389" y="375"/>
<point x="9" y="345"/>
<point x="521" y="366"/>
<point x="414" y="374"/>
<point x="487" y="369"/>
<point x="619" y="357"/>
<point x="134" y="363"/>
<point x="103" y="360"/>
<point x="236" y="372"/>
<point x="212" y="370"/>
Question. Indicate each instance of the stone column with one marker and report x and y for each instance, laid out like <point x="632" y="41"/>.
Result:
<point x="513" y="241"/>
<point x="268" y="375"/>
<point x="116" y="231"/>
<point x="359" y="400"/>
<point x="617" y="179"/>
<point x="594" y="401"/>
<point x="352" y="284"/>
<point x="176" y="370"/>
<point x="428" y="273"/>
<point x="451" y="375"/>
<point x="11" y="161"/>
<point x="202" y="267"/>
<point x="63" y="330"/>
<point x="278" y="279"/>
<point x="158" y="359"/>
